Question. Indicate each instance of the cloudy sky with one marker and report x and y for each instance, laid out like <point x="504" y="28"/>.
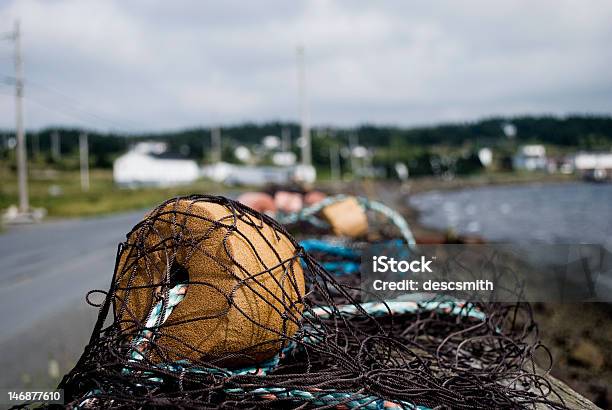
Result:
<point x="144" y="65"/>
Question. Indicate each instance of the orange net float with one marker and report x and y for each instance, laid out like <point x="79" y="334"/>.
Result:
<point x="245" y="284"/>
<point x="346" y="218"/>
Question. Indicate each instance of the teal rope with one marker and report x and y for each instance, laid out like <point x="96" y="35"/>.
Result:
<point x="309" y="214"/>
<point x="317" y="397"/>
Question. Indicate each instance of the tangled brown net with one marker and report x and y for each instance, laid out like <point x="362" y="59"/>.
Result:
<point x="215" y="305"/>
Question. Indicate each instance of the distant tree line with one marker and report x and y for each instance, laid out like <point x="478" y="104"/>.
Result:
<point x="419" y="147"/>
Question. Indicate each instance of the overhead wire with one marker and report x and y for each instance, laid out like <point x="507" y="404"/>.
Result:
<point x="75" y="105"/>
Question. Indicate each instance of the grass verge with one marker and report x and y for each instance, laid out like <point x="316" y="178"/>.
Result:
<point x="59" y="192"/>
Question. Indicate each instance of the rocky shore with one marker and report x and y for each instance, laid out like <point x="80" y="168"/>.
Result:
<point x="578" y="335"/>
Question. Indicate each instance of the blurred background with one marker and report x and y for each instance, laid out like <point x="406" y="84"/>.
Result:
<point x="490" y="121"/>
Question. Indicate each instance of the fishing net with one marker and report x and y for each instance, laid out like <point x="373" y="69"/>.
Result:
<point x="341" y="255"/>
<point x="380" y="221"/>
<point x="215" y="305"/>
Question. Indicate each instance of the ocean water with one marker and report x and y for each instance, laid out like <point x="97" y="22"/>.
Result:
<point x="567" y="213"/>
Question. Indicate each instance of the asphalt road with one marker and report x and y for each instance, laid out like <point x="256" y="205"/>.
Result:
<point x="45" y="272"/>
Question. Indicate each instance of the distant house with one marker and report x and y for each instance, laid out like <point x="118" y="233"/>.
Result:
<point x="149" y="163"/>
<point x="252" y="175"/>
<point x="530" y="158"/>
<point x="284" y="158"/>
<point x="594" y="165"/>
<point x="592" y="160"/>
<point x="258" y="175"/>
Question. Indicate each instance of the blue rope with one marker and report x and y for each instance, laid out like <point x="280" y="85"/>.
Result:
<point x="350" y="256"/>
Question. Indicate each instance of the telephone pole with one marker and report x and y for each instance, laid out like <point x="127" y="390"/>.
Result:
<point x="334" y="162"/>
<point x="215" y="142"/>
<point x="21" y="213"/>
<point x="22" y="165"/>
<point x="305" y="126"/>
<point x="84" y="154"/>
<point x="56" y="151"/>
<point x="285" y="139"/>
<point x="353" y="142"/>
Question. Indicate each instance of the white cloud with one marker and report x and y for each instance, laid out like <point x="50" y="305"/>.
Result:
<point x="150" y="65"/>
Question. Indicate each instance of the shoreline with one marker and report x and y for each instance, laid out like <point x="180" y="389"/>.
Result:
<point x="429" y="184"/>
<point x="579" y="351"/>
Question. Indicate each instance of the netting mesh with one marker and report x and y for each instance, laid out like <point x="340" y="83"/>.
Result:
<point x="215" y="305"/>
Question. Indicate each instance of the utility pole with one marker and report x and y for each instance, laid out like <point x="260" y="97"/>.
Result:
<point x="56" y="150"/>
<point x="353" y="142"/>
<point x="215" y="142"/>
<point x="305" y="126"/>
<point x="334" y="162"/>
<point x="84" y="156"/>
<point x="22" y="165"/>
<point x="204" y="149"/>
<point x="286" y="139"/>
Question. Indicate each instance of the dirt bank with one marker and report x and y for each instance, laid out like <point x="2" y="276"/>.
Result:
<point x="579" y="336"/>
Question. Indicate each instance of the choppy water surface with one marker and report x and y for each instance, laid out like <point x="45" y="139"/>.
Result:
<point x="550" y="213"/>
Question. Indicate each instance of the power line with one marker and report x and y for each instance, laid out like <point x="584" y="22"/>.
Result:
<point x="69" y="111"/>
<point x="10" y="36"/>
<point x="56" y="109"/>
<point x="7" y="80"/>
<point x="76" y="106"/>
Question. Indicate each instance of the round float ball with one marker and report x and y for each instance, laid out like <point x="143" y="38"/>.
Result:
<point x="245" y="283"/>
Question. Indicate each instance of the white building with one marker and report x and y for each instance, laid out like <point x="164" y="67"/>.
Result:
<point x="530" y="158"/>
<point x="594" y="165"/>
<point x="586" y="161"/>
<point x="148" y="163"/>
<point x="233" y="174"/>
<point x="284" y="158"/>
